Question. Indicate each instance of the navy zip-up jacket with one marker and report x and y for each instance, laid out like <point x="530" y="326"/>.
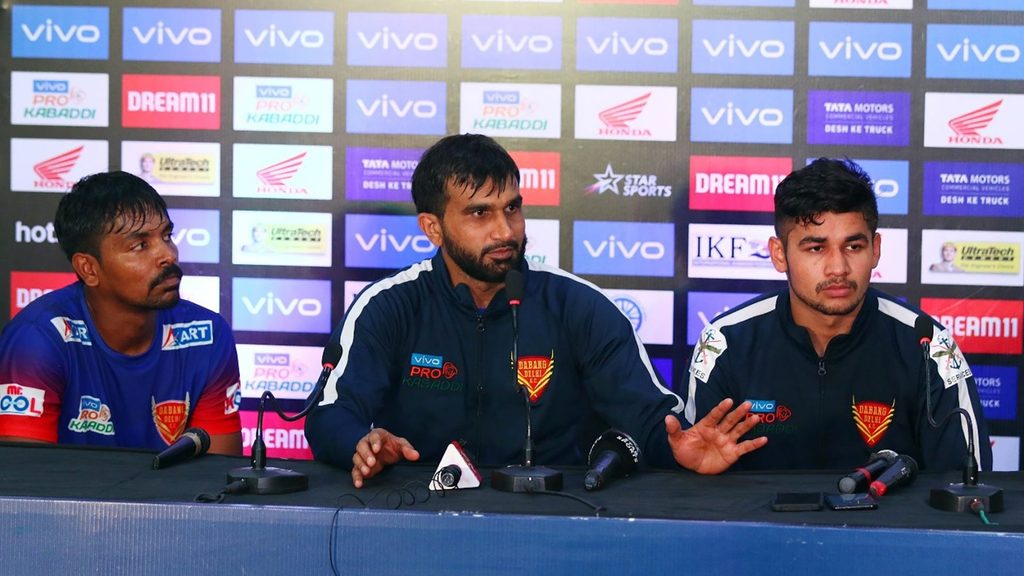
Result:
<point x="421" y="361"/>
<point x="865" y="394"/>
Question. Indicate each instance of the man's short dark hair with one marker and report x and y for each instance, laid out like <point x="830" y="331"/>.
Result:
<point x="825" y="185"/>
<point x="98" y="204"/>
<point x="460" y="160"/>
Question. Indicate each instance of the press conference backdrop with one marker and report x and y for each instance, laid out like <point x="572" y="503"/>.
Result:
<point x="650" y="136"/>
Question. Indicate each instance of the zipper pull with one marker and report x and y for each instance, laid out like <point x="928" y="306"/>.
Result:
<point x="821" y="367"/>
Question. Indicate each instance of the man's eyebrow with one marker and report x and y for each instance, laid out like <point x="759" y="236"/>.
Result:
<point x="860" y="236"/>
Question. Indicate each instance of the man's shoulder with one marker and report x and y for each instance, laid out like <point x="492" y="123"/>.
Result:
<point x="758" y="309"/>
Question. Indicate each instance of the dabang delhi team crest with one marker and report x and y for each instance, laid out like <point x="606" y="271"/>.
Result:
<point x="170" y="417"/>
<point x="534" y="374"/>
<point x="872" y="419"/>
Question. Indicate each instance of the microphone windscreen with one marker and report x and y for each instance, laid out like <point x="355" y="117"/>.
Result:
<point x="514" y="285"/>
<point x="332" y="353"/>
<point x="924" y="328"/>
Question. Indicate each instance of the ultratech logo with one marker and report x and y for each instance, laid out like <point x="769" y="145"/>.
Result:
<point x="181" y="102"/>
<point x="736" y="183"/>
<point x="429" y="372"/>
<point x="642" y="185"/>
<point x="52" y="170"/>
<point x="980" y="326"/>
<point x="539" y="177"/>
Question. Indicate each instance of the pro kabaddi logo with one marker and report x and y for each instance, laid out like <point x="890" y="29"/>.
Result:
<point x="170" y="417"/>
<point x="872" y="419"/>
<point x="93" y="416"/>
<point x="534" y="374"/>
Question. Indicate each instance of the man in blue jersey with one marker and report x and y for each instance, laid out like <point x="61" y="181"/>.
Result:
<point x="426" y="351"/>
<point x="834" y="367"/>
<point x="117" y="358"/>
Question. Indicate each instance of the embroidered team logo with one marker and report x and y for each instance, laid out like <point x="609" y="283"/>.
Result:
<point x="72" y="330"/>
<point x="187" y="334"/>
<point x="872" y="419"/>
<point x="93" y="416"/>
<point x="952" y="365"/>
<point x="534" y="374"/>
<point x="710" y="345"/>
<point x="170" y="417"/>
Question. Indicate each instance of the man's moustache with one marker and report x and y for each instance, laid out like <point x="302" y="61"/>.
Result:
<point x="172" y="271"/>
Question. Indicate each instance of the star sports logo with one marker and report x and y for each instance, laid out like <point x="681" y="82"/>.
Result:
<point x="617" y="119"/>
<point x="280" y="173"/>
<point x="606" y="182"/>
<point x="969" y="125"/>
<point x="52" y="169"/>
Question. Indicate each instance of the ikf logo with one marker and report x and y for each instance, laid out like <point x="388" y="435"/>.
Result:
<point x="65" y="32"/>
<point x="734" y="183"/>
<point x="395" y="107"/>
<point x="284" y="37"/>
<point x="395" y="39"/>
<point x="979" y="326"/>
<point x="512" y="110"/>
<point x="645" y="113"/>
<point x="997" y="389"/>
<point x="731" y="251"/>
<point x="627" y="44"/>
<point x="624" y="248"/>
<point x="387" y="242"/>
<point x="281" y="305"/>
<point x="512" y="42"/>
<point x="959" y="120"/>
<point x="539" y="177"/>
<point x="891" y="182"/>
<point x="282" y="172"/>
<point x="41" y="165"/>
<point x="857" y="49"/>
<point x="984" y="52"/>
<point x="180" y="102"/>
<point x="59" y="99"/>
<point x="171" y="34"/>
<point x="858" y="118"/>
<point x="381" y="174"/>
<point x="743" y="47"/>
<point x="196" y="234"/>
<point x="741" y="115"/>
<point x="703" y="307"/>
<point x="974" y="189"/>
<point x="284" y="104"/>
<point x="27" y="286"/>
<point x="649" y="311"/>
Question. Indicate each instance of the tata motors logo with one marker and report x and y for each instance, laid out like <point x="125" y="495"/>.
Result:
<point x="741" y="115"/>
<point x="736" y="183"/>
<point x="539" y="177"/>
<point x="979" y="326"/>
<point x="196" y="234"/>
<point x="283" y="171"/>
<point x="974" y="189"/>
<point x="858" y="118"/>
<point x="59" y="99"/>
<point x="512" y="42"/>
<point x="973" y="120"/>
<point x="44" y="165"/>
<point x="627" y="45"/>
<point x="395" y="107"/>
<point x="64" y="32"/>
<point x="382" y="174"/>
<point x="643" y="113"/>
<point x="984" y="52"/>
<point x="386" y="242"/>
<point x="511" y="110"/>
<point x="874" y="50"/>
<point x="180" y="102"/>
<point x="284" y="37"/>
<point x="27" y="286"/>
<point x="624" y="248"/>
<point x="396" y="39"/>
<point x="997" y="390"/>
<point x="281" y="305"/>
<point x="172" y="34"/>
<point x="743" y="47"/>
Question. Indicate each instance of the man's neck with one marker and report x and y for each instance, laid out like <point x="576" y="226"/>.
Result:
<point x="127" y="331"/>
<point x="821" y="327"/>
<point x="482" y="292"/>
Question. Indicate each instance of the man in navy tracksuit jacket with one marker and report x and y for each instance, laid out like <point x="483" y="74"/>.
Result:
<point x="833" y="367"/>
<point x="427" y="351"/>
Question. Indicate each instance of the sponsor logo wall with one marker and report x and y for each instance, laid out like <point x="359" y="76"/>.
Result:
<point x="650" y="136"/>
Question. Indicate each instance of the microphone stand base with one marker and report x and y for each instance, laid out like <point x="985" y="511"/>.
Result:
<point x="269" y="480"/>
<point x="960" y="497"/>
<point x="526" y="479"/>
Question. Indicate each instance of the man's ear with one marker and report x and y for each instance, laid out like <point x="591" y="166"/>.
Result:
<point x="87" y="267"/>
<point x="778" y="253"/>
<point x="431" y="226"/>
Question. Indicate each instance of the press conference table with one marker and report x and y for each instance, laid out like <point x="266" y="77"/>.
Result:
<point x="89" y="511"/>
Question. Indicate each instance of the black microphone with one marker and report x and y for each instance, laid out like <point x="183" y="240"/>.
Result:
<point x="192" y="442"/>
<point x="526" y="478"/>
<point x="613" y="454"/>
<point x="902" y="473"/>
<point x="858" y="480"/>
<point x="258" y="477"/>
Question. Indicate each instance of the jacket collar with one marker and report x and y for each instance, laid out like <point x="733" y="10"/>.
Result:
<point x="840" y="344"/>
<point x="460" y="294"/>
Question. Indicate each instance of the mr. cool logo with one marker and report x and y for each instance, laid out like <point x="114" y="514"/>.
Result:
<point x="21" y="400"/>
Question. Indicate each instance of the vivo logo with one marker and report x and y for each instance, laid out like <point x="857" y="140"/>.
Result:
<point x="733" y="47"/>
<point x="273" y="36"/>
<point x="273" y="91"/>
<point x="191" y="236"/>
<point x="886" y="188"/>
<point x="967" y="51"/>
<point x="272" y="359"/>
<point x="848" y="49"/>
<point x="734" y="115"/>
<point x="617" y="44"/>
<point x="52" y="32"/>
<point x="386" y="107"/>
<point x="501" y="97"/>
<point x="385" y="39"/>
<point x="500" y="41"/>
<point x="50" y="86"/>
<point x="385" y="241"/>
<point x="162" y="34"/>
<point x="271" y="305"/>
<point x="613" y="248"/>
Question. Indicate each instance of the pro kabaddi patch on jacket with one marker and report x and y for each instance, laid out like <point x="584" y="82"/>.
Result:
<point x="710" y="345"/>
<point x="170" y="417"/>
<point x="952" y="365"/>
<point x="872" y="419"/>
<point x="534" y="374"/>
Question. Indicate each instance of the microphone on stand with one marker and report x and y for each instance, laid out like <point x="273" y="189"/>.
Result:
<point x="969" y="495"/>
<point x="525" y="478"/>
<point x="258" y="478"/>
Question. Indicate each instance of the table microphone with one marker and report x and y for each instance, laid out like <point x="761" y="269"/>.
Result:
<point x="260" y="479"/>
<point x="192" y="443"/>
<point x="969" y="494"/>
<point x="902" y="473"/>
<point x="613" y="454"/>
<point x="858" y="480"/>
<point x="526" y="478"/>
